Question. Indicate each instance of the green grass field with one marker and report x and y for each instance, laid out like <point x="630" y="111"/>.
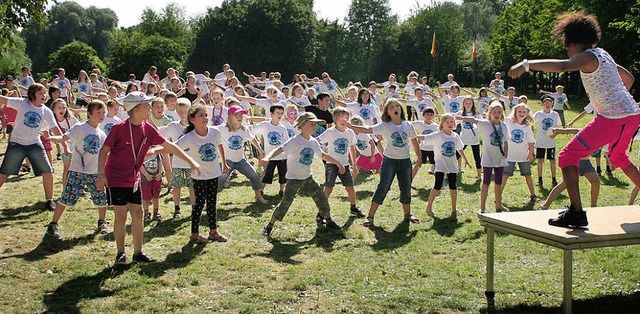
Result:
<point x="435" y="266"/>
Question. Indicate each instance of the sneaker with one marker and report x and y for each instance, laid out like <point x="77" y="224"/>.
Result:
<point x="539" y="182"/>
<point x="266" y="231"/>
<point x="52" y="230"/>
<point x="281" y="193"/>
<point x="554" y="182"/>
<point x="142" y="258"/>
<point x="599" y="172"/>
<point x="58" y="157"/>
<point x="51" y="205"/>
<point x="320" y="218"/>
<point x="227" y="184"/>
<point x="103" y="227"/>
<point x="330" y="224"/>
<point x="609" y="172"/>
<point x="147" y="217"/>
<point x="121" y="258"/>
<point x="217" y="237"/>
<point x="177" y="215"/>
<point x="157" y="217"/>
<point x="355" y="211"/>
<point x="570" y="218"/>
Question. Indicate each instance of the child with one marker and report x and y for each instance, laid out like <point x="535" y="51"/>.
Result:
<point x="559" y="101"/>
<point x="585" y="168"/>
<point x="151" y="183"/>
<point x="364" y="108"/>
<point x="272" y="99"/>
<point x="520" y="147"/>
<point x="291" y="113"/>
<point x="300" y="151"/>
<point x="399" y="136"/>
<point x="452" y="102"/>
<point x="204" y="143"/>
<point x="170" y="100"/>
<point x="445" y="143"/>
<point x="607" y="85"/>
<point x="495" y="149"/>
<point x="510" y="100"/>
<point x="32" y="117"/>
<point x="469" y="133"/>
<point x="235" y="134"/>
<point x="420" y="102"/>
<point x="341" y="146"/>
<point x="86" y="140"/>
<point x="545" y="139"/>
<point x="426" y="127"/>
<point x="180" y="170"/>
<point x="119" y="162"/>
<point x="65" y="122"/>
<point x="392" y="94"/>
<point x="218" y="112"/>
<point x="369" y="159"/>
<point x="597" y="154"/>
<point x="274" y="134"/>
<point x="111" y="118"/>
<point x="62" y="83"/>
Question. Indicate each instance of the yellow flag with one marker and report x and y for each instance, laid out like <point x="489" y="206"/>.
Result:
<point x="433" y="45"/>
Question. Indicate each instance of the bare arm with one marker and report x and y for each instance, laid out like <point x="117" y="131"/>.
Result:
<point x="416" y="149"/>
<point x="176" y="151"/>
<point x="580" y="116"/>
<point x="584" y="61"/>
<point x="332" y="160"/>
<point x="263" y="162"/>
<point x="627" y="77"/>
<point x="359" y="128"/>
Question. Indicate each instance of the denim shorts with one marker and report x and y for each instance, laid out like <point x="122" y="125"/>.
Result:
<point x="76" y="183"/>
<point x="525" y="168"/>
<point x="16" y="153"/>
<point x="331" y="173"/>
<point x="181" y="178"/>
<point x="585" y="167"/>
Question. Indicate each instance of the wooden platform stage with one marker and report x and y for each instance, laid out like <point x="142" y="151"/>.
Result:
<point x="608" y="226"/>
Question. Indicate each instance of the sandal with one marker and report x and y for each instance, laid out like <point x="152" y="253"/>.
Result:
<point x="368" y="222"/>
<point x="261" y="200"/>
<point x="412" y="219"/>
<point x="198" y="239"/>
<point x="216" y="236"/>
<point x="534" y="198"/>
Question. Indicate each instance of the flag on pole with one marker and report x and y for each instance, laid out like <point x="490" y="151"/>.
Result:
<point x="433" y="45"/>
<point x="474" y="51"/>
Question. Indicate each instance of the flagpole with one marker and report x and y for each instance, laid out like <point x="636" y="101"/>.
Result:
<point x="433" y="55"/>
<point x="475" y="62"/>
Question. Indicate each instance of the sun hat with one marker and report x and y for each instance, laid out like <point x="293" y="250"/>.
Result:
<point x="133" y="99"/>
<point x="236" y="109"/>
<point x="309" y="117"/>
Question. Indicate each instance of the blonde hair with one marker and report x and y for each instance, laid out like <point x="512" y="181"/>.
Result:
<point x="496" y="104"/>
<point x="443" y="118"/>
<point x="528" y="120"/>
<point x="271" y="88"/>
<point x="357" y="120"/>
<point x="339" y="111"/>
<point x="183" y="102"/>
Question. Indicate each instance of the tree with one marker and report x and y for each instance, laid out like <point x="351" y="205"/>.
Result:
<point x="331" y="43"/>
<point x="20" y="14"/>
<point x="74" y="57"/>
<point x="13" y="57"/>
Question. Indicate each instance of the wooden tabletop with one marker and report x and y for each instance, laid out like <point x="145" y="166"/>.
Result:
<point x="608" y="226"/>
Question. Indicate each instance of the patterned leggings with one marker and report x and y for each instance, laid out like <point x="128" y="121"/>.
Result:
<point x="206" y="191"/>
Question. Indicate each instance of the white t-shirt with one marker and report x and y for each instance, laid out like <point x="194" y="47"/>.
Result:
<point x="291" y="129"/>
<point x="66" y="124"/>
<point x="173" y="132"/>
<point x="397" y="138"/>
<point x="338" y="143"/>
<point x="301" y="101"/>
<point x="367" y="112"/>
<point x="266" y="104"/>
<point x="500" y="82"/>
<point x="217" y="116"/>
<point x="448" y="84"/>
<point x="451" y="104"/>
<point x="500" y="89"/>
<point x="492" y="139"/>
<point x="147" y="78"/>
<point x="469" y="131"/>
<point x="410" y="89"/>
<point x="423" y="128"/>
<point x="86" y="142"/>
<point x="233" y="142"/>
<point x="274" y="136"/>
<point x="108" y="122"/>
<point x="25" y="81"/>
<point x="444" y="150"/>
<point x="299" y="153"/>
<point x="172" y="114"/>
<point x="546" y="122"/>
<point x="482" y="104"/>
<point x="559" y="100"/>
<point x="97" y="84"/>
<point x="419" y="105"/>
<point x="521" y="137"/>
<point x="62" y="84"/>
<point x="122" y="114"/>
<point x="30" y="120"/>
<point x="363" y="144"/>
<point x="331" y="87"/>
<point x="509" y="103"/>
<point x="84" y="89"/>
<point x="376" y="100"/>
<point x="204" y="150"/>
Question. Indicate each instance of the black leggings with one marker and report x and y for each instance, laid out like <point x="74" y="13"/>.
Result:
<point x="271" y="168"/>
<point x="476" y="154"/>
<point x="452" y="177"/>
<point x="206" y="192"/>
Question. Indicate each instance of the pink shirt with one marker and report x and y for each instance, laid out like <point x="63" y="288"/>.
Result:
<point x="119" y="168"/>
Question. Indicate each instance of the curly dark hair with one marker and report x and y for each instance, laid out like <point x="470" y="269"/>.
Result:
<point x="577" y="28"/>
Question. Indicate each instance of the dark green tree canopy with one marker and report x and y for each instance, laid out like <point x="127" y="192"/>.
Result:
<point x="74" y="57"/>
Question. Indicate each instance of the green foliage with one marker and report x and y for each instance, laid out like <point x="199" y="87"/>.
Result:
<point x="74" y="57"/>
<point x="331" y="43"/>
<point x="68" y="22"/>
<point x="13" y="57"/>
<point x="16" y="14"/>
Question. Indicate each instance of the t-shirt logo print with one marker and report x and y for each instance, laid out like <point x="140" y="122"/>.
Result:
<point x="448" y="149"/>
<point x="496" y="138"/>
<point x="306" y="156"/>
<point x="547" y="123"/>
<point x="61" y="85"/>
<point x="365" y="113"/>
<point x="467" y="125"/>
<point x="517" y="136"/>
<point x="422" y="106"/>
<point x="291" y="133"/>
<point x="84" y="88"/>
<point x="208" y="152"/>
<point x="319" y="130"/>
<point x="91" y="144"/>
<point x="399" y="139"/>
<point x="32" y="119"/>
<point x="235" y="142"/>
<point x="217" y="120"/>
<point x="341" y="146"/>
<point x="362" y="145"/>
<point x="274" y="138"/>
<point x="108" y="127"/>
<point x="454" y="106"/>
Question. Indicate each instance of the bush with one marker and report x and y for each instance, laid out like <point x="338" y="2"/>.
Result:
<point x="74" y="57"/>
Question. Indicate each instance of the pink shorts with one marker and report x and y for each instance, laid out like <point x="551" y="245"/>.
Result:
<point x="364" y="162"/>
<point x="618" y="133"/>
<point x="151" y="190"/>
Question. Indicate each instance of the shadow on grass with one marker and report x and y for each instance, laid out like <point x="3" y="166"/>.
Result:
<point x="469" y="188"/>
<point x="422" y="193"/>
<point x="175" y="260"/>
<point x="19" y="177"/>
<point x="360" y="195"/>
<point x="8" y="216"/>
<point x="365" y="176"/>
<point x="446" y="227"/>
<point x="613" y="181"/>
<point x="398" y="237"/>
<point x="66" y="297"/>
<point x="629" y="303"/>
<point x="49" y="246"/>
<point x="167" y="227"/>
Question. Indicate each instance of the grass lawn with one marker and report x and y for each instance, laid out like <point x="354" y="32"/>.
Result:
<point x="435" y="266"/>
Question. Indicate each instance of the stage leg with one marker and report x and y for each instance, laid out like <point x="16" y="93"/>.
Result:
<point x="489" y="293"/>
<point x="567" y="281"/>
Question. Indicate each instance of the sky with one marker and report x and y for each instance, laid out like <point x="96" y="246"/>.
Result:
<point x="129" y="11"/>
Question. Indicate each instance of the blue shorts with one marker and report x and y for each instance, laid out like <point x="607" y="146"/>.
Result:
<point x="76" y="182"/>
<point x="16" y="153"/>
<point x="525" y="168"/>
<point x="331" y="173"/>
<point x="585" y="166"/>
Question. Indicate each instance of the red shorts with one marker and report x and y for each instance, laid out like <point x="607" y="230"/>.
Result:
<point x="364" y="162"/>
<point x="151" y="190"/>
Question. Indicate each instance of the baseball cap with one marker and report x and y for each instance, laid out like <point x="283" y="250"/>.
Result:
<point x="236" y="109"/>
<point x="133" y="99"/>
<point x="309" y="117"/>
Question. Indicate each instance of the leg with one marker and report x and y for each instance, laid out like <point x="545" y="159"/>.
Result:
<point x="119" y="226"/>
<point x="553" y="195"/>
<point x="570" y="177"/>
<point x="137" y="226"/>
<point x="595" y="188"/>
<point x="434" y="192"/>
<point x="404" y="184"/>
<point x="388" y="171"/>
<point x="196" y="209"/>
